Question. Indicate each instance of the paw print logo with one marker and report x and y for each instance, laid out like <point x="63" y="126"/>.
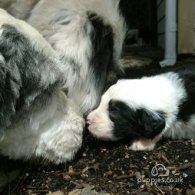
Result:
<point x="160" y="170"/>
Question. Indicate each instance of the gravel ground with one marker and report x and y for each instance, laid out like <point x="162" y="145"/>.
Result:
<point x="108" y="168"/>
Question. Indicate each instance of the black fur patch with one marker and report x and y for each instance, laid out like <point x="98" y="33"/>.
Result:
<point x="102" y="50"/>
<point x="133" y="124"/>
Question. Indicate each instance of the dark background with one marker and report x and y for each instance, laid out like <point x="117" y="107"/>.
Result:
<point x="142" y="15"/>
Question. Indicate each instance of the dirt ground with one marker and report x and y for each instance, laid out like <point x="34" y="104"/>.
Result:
<point x="109" y="168"/>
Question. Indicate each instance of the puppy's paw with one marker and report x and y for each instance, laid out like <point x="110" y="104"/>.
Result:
<point x="142" y="145"/>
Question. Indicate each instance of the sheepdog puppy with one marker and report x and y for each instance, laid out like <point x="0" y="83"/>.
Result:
<point x="53" y="75"/>
<point x="147" y="108"/>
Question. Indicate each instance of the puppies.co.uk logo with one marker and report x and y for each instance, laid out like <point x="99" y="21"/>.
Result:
<point x="160" y="170"/>
<point x="160" y="174"/>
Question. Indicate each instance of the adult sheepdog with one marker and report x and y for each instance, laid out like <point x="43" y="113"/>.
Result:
<point x="53" y="75"/>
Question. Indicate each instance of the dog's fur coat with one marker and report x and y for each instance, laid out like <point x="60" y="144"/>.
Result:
<point x="77" y="46"/>
<point x="88" y="35"/>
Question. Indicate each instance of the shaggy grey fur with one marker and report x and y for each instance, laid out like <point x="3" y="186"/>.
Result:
<point x="21" y="70"/>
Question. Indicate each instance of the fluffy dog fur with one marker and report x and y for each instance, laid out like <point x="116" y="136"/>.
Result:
<point x="147" y="108"/>
<point x="78" y="44"/>
<point x="88" y="35"/>
<point x="37" y="119"/>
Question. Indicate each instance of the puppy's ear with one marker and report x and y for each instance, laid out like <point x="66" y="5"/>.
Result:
<point x="151" y="124"/>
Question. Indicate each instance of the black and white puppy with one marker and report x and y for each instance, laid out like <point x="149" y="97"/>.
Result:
<point x="147" y="108"/>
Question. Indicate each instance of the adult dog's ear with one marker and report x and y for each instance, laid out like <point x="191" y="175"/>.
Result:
<point x="152" y="124"/>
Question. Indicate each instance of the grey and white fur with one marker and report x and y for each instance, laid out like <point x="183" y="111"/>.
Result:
<point x="88" y="36"/>
<point x="74" y="47"/>
<point x="144" y="109"/>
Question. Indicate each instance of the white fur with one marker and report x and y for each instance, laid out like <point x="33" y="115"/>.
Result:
<point x="108" y="10"/>
<point x="181" y="129"/>
<point x="53" y="132"/>
<point x="104" y="128"/>
<point x="144" y="144"/>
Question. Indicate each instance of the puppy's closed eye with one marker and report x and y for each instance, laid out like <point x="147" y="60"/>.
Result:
<point x="135" y="123"/>
<point x="119" y="110"/>
<point x="114" y="111"/>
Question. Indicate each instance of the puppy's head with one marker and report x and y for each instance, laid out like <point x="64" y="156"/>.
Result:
<point x="122" y="114"/>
